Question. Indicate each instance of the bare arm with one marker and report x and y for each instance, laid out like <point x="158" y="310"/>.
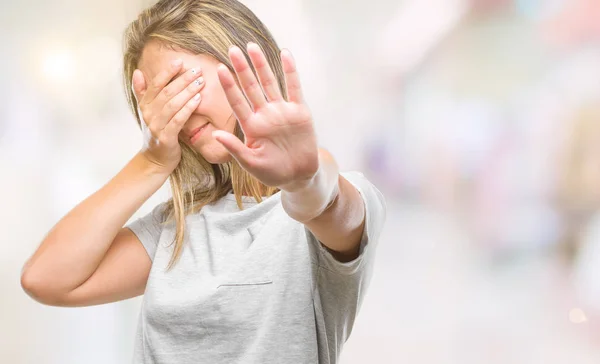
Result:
<point x="340" y="226"/>
<point x="88" y="257"/>
<point x="280" y="149"/>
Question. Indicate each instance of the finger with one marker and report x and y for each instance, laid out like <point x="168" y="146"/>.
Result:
<point x="248" y="82"/>
<point x="265" y="73"/>
<point x="292" y="79"/>
<point x="162" y="79"/>
<point x="174" y="88"/>
<point x="236" y="148"/>
<point x="236" y="99"/>
<point x="138" y="84"/>
<point x="173" y="128"/>
<point x="172" y="106"/>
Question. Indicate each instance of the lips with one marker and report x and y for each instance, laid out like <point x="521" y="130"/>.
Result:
<point x="195" y="133"/>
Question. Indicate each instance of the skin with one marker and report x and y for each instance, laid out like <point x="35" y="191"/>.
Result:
<point x="89" y="258"/>
<point x="281" y="145"/>
<point x="213" y="107"/>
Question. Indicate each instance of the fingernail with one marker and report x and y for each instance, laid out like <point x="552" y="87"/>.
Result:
<point x="199" y="81"/>
<point x="194" y="70"/>
<point x="196" y="97"/>
<point x="176" y="63"/>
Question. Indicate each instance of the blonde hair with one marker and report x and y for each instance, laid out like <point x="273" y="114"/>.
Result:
<point x="201" y="27"/>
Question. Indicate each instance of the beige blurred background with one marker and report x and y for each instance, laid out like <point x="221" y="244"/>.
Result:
<point x="479" y="120"/>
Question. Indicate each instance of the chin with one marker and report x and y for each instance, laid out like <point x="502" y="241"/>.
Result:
<point x="215" y="154"/>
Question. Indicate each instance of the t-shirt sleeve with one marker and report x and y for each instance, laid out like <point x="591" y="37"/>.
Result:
<point x="341" y="287"/>
<point x="148" y="228"/>
<point x="375" y="215"/>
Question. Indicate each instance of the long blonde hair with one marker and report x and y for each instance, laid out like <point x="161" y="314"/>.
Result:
<point x="201" y="27"/>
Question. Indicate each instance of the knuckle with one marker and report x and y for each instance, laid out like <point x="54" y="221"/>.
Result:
<point x="177" y="119"/>
<point x="190" y="106"/>
<point x="181" y="117"/>
<point x="154" y="130"/>
<point x="164" y="139"/>
<point x="252" y="84"/>
<point x="170" y="105"/>
<point x="190" y="76"/>
<point x="148" y="117"/>
<point x="167" y="92"/>
<point x="237" y="103"/>
<point x="192" y="87"/>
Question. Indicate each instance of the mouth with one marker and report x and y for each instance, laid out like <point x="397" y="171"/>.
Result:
<point x="196" y="133"/>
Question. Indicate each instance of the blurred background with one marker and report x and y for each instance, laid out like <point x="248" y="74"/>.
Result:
<point x="479" y="121"/>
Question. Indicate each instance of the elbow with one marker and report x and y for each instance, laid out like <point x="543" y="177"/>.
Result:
<point x="39" y="288"/>
<point x="32" y="285"/>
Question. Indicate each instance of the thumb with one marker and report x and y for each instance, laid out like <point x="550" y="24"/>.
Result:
<point x="235" y="147"/>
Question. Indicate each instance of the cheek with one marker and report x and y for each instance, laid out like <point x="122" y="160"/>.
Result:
<point x="215" y="106"/>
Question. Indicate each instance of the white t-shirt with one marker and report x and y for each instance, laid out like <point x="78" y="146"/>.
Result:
<point x="251" y="286"/>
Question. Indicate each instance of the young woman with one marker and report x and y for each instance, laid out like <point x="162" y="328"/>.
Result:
<point x="265" y="251"/>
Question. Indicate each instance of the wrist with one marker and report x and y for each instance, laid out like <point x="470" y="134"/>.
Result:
<point x="150" y="168"/>
<point x="308" y="199"/>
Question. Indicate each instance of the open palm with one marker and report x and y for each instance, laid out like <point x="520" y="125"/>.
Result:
<point x="280" y="143"/>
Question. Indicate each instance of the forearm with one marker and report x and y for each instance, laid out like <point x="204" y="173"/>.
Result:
<point x="340" y="225"/>
<point x="75" y="246"/>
